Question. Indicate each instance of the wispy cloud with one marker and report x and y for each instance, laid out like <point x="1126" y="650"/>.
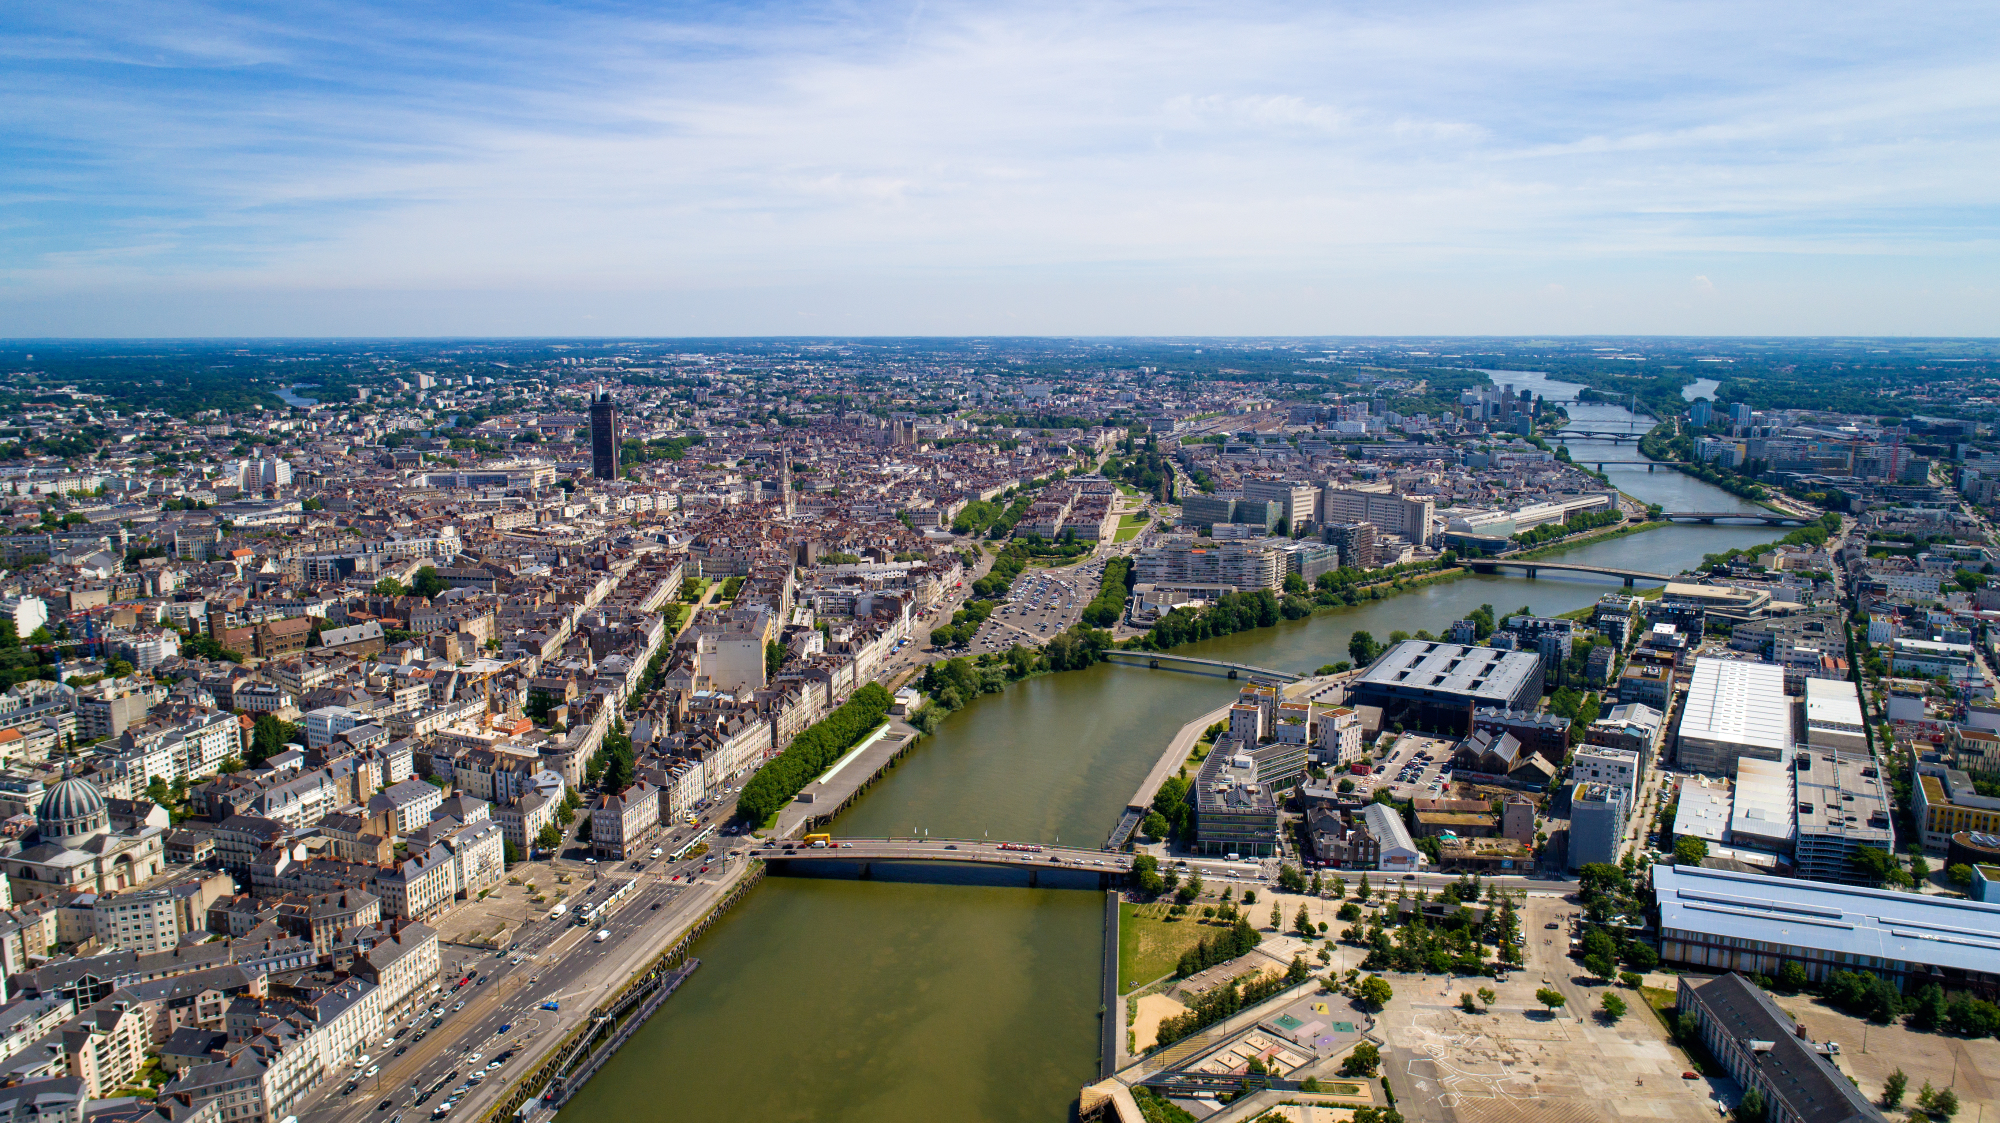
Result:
<point x="1105" y="167"/>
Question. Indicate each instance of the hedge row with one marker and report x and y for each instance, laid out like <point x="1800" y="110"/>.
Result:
<point x="812" y="751"/>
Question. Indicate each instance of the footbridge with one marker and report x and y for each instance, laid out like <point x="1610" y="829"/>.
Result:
<point x="864" y="853"/>
<point x="1164" y="660"/>
<point x="1535" y="568"/>
<point x="1768" y="518"/>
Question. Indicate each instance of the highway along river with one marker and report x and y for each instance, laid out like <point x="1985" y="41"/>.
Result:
<point x="906" y="1002"/>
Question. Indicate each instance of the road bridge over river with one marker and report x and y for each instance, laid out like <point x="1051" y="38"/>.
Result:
<point x="1768" y="518"/>
<point x="1534" y="568"/>
<point x="863" y="853"/>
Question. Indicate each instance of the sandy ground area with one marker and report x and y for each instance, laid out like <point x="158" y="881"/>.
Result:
<point x="1869" y="1053"/>
<point x="1151" y="1009"/>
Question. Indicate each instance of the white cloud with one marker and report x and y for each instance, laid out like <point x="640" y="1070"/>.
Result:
<point x="1114" y="167"/>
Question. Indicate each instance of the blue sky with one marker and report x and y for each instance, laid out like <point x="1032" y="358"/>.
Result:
<point x="950" y="168"/>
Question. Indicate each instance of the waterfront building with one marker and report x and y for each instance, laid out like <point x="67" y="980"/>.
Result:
<point x="1437" y="686"/>
<point x="1405" y="516"/>
<point x="1224" y="566"/>
<point x="1355" y="541"/>
<point x="1236" y="796"/>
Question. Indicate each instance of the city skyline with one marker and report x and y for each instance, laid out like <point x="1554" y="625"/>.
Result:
<point x="948" y="169"/>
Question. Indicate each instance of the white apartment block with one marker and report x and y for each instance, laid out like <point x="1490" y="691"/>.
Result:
<point x="1618" y="768"/>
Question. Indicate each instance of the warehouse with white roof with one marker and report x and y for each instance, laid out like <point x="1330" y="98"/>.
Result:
<point x="1734" y="709"/>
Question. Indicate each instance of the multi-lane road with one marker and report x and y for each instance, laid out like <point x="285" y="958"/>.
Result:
<point x="553" y="960"/>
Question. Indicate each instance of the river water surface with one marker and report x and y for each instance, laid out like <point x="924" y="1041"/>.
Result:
<point x="902" y="1002"/>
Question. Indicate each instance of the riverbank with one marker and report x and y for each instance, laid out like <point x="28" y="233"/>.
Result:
<point x="1587" y="538"/>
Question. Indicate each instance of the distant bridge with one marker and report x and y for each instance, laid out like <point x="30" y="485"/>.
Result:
<point x="1567" y="432"/>
<point x="1034" y="858"/>
<point x="1768" y="518"/>
<point x="1533" y="568"/>
<point x="1162" y="660"/>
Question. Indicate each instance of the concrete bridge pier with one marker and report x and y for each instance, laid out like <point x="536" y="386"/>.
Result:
<point x="1034" y="878"/>
<point x="867" y="871"/>
<point x="1232" y="672"/>
<point x="1628" y="582"/>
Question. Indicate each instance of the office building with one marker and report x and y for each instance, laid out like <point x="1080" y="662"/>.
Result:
<point x="1403" y="516"/>
<point x="1723" y="920"/>
<point x="1298" y="503"/>
<point x="603" y="436"/>
<point x="1236" y="799"/>
<point x="1734" y="709"/>
<point x="1437" y="686"/>
<point x="1355" y="541"/>
<point x="1701" y="414"/>
<point x="1205" y="512"/>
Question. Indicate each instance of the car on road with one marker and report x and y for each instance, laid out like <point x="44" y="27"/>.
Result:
<point x="503" y="1029"/>
<point x="492" y="1065"/>
<point x="384" y="1105"/>
<point x="459" y="1006"/>
<point x="372" y="1070"/>
<point x="351" y="1085"/>
<point x="550" y="1006"/>
<point x="401" y="1049"/>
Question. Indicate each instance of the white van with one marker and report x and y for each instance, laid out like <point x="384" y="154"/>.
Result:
<point x="603" y="934"/>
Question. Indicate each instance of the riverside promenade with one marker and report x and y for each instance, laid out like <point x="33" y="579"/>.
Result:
<point x="1168" y="764"/>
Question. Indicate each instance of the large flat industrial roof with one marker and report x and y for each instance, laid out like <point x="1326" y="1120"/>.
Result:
<point x="1703" y="810"/>
<point x="1762" y="808"/>
<point x="1484" y="673"/>
<point x="1737" y="702"/>
<point x="1832" y="703"/>
<point x="1904" y="927"/>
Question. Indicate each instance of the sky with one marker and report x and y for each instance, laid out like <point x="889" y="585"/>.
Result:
<point x="935" y="168"/>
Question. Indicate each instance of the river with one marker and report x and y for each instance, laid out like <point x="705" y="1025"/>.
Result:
<point x="289" y="396"/>
<point x="904" y="1002"/>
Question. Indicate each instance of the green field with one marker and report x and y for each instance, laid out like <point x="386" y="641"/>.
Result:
<point x="1149" y="944"/>
<point x="1129" y="526"/>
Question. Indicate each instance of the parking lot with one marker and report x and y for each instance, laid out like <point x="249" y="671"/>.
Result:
<point x="1415" y="766"/>
<point x="1042" y="603"/>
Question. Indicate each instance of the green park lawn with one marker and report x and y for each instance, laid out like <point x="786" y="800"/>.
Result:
<point x="1149" y="944"/>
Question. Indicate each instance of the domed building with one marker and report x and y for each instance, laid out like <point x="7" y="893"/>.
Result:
<point x="72" y="813"/>
<point x="77" y="851"/>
